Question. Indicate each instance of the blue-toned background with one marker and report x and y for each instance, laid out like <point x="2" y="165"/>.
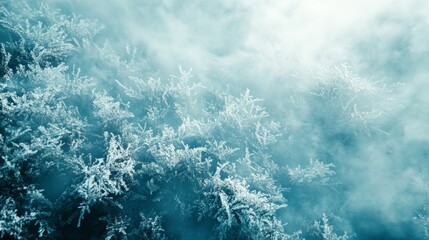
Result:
<point x="347" y="81"/>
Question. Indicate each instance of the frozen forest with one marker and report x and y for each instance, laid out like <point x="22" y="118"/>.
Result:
<point x="164" y="119"/>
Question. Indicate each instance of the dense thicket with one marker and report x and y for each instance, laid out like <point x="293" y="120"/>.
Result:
<point x="92" y="148"/>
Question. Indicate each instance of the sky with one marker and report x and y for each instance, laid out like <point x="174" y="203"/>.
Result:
<point x="279" y="49"/>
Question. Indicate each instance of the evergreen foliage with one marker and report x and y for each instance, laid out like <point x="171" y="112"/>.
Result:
<point x="92" y="148"/>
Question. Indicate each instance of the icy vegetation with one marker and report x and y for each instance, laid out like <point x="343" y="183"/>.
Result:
<point x="95" y="144"/>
